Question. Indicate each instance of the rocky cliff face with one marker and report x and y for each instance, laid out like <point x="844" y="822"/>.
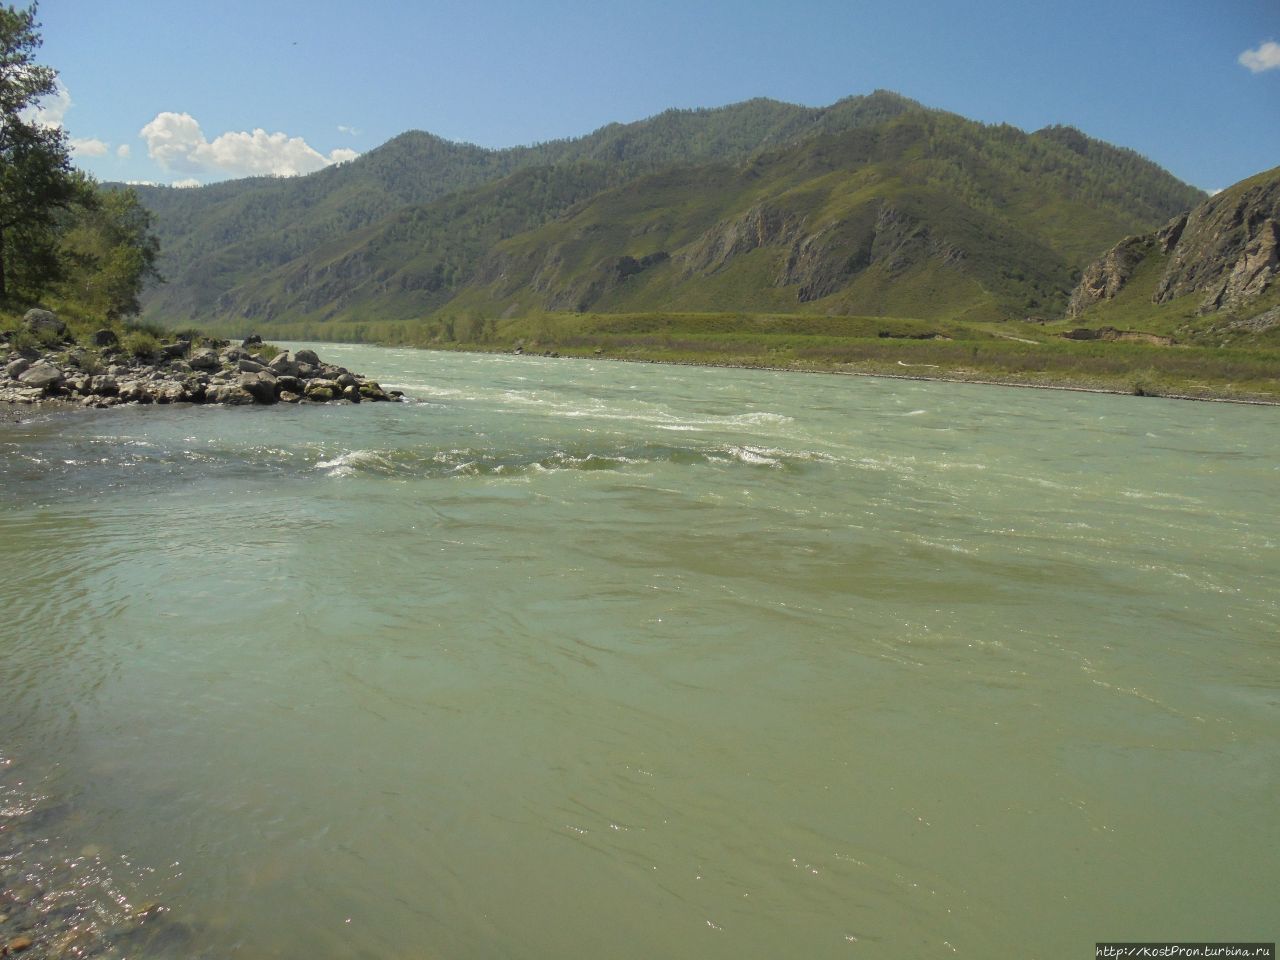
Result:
<point x="820" y="260"/>
<point x="1107" y="276"/>
<point x="761" y="226"/>
<point x="1227" y="250"/>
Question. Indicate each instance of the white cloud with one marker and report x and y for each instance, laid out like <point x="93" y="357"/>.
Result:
<point x="186" y="184"/>
<point x="88" y="147"/>
<point x="172" y="140"/>
<point x="51" y="110"/>
<point x="349" y="131"/>
<point x="123" y="151"/>
<point x="1265" y="57"/>
<point x="176" y="142"/>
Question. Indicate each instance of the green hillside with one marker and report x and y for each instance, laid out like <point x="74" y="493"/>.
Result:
<point x="897" y="211"/>
<point x="217" y="237"/>
<point x="874" y="205"/>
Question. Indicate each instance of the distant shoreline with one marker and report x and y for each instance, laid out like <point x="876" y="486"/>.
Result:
<point x="13" y="412"/>
<point x="1247" y="401"/>
<point x="1208" y="397"/>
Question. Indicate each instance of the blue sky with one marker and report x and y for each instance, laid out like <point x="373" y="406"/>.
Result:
<point x="195" y="93"/>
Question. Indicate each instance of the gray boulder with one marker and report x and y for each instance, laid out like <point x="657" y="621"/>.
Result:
<point x="308" y="357"/>
<point x="204" y="359"/>
<point x="166" y="391"/>
<point x="322" y="390"/>
<point x="14" y="369"/>
<point x="133" y="391"/>
<point x="232" y="394"/>
<point x="283" y="364"/>
<point x="260" y="385"/>
<point x="104" y="386"/>
<point x="246" y="365"/>
<point x="42" y="374"/>
<point x="43" y="321"/>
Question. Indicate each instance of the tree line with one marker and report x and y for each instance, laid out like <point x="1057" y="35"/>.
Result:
<point x="63" y="236"/>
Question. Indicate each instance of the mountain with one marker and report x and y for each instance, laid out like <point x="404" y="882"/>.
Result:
<point x="924" y="215"/>
<point x="213" y="238"/>
<point x="1209" y="275"/>
<point x="874" y="205"/>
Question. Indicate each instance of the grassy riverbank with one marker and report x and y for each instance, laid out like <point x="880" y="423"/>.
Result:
<point x="1015" y="353"/>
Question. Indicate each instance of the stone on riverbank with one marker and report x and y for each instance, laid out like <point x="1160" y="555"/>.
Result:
<point x="41" y="375"/>
<point x="204" y="359"/>
<point x="43" y="322"/>
<point x="221" y="373"/>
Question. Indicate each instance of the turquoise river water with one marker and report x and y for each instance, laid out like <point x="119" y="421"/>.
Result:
<point x="586" y="659"/>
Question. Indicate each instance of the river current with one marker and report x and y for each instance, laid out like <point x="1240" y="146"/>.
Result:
<point x="588" y="659"/>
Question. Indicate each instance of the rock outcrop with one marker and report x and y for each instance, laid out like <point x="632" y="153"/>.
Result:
<point x="1107" y="276"/>
<point x="820" y="259"/>
<point x="1226" y="250"/>
<point x="217" y="373"/>
<point x="761" y="226"/>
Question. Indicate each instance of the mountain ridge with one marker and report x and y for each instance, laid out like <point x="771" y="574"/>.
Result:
<point x="408" y="229"/>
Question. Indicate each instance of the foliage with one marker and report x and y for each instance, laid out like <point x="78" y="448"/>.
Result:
<point x="109" y="252"/>
<point x="141" y="343"/>
<point x="62" y="238"/>
<point x="35" y="167"/>
<point x="541" y="227"/>
<point x="419" y="223"/>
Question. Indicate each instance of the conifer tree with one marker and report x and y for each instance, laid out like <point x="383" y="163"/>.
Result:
<point x="35" y="167"/>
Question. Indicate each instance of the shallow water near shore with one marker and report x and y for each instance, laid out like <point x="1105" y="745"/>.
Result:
<point x="569" y="659"/>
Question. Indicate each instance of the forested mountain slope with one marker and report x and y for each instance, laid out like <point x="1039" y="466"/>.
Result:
<point x="873" y="205"/>
<point x="215" y="237"/>
<point x="925" y="215"/>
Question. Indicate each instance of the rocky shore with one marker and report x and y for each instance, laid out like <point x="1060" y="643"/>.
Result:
<point x="43" y="364"/>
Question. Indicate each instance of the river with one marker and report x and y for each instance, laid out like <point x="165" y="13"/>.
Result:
<point x="591" y="659"/>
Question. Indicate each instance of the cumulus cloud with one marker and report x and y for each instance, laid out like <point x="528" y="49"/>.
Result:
<point x="186" y="184"/>
<point x="123" y="151"/>
<point x="176" y="142"/>
<point x="51" y="111"/>
<point x="1265" y="57"/>
<point x="88" y="147"/>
